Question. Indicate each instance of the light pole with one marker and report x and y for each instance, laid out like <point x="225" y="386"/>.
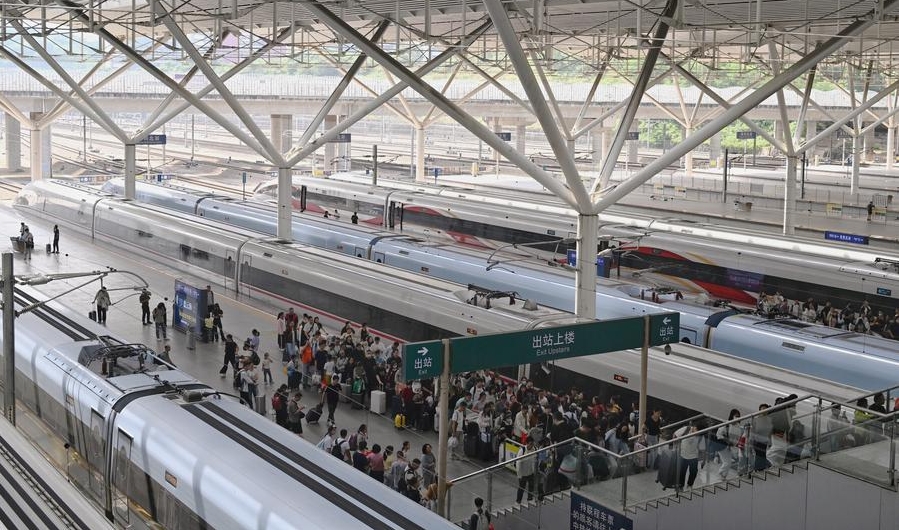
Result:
<point x="9" y="315"/>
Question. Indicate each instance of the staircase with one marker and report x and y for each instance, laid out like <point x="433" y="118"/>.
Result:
<point x="533" y="515"/>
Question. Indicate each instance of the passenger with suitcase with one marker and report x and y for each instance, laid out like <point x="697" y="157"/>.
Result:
<point x="55" y="249"/>
<point x="101" y="299"/>
<point x="667" y="473"/>
<point x="357" y="398"/>
<point x="471" y="439"/>
<point x="457" y="424"/>
<point x="332" y="396"/>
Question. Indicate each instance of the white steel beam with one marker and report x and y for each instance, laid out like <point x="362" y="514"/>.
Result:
<point x="470" y="94"/>
<point x="336" y="64"/>
<point x="801" y="126"/>
<point x="624" y="126"/>
<point x="300" y="152"/>
<point x="103" y="118"/>
<point x="825" y="49"/>
<point x="725" y="104"/>
<point x="452" y="110"/>
<point x="585" y="268"/>
<point x="493" y="81"/>
<point x="154" y="122"/>
<point x="426" y="121"/>
<point x="782" y="103"/>
<point x="22" y="65"/>
<point x="551" y="96"/>
<point x="592" y="92"/>
<point x="564" y="156"/>
<point x="841" y="122"/>
<point x="341" y="87"/>
<point x="78" y="13"/>
<point x="618" y="106"/>
<point x="199" y="60"/>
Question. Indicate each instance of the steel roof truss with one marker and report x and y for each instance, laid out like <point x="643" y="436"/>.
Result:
<point x="199" y="60"/>
<point x="301" y="152"/>
<point x="557" y="142"/>
<point x="624" y="126"/>
<point x="804" y="64"/>
<point x="338" y="91"/>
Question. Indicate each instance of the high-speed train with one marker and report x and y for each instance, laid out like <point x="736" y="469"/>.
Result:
<point x="728" y="263"/>
<point x="155" y="448"/>
<point x="266" y="267"/>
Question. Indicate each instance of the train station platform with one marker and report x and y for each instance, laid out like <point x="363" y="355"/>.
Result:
<point x="202" y="360"/>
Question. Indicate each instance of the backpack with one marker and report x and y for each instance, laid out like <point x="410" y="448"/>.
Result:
<point x="336" y="450"/>
<point x="307" y="354"/>
<point x="255" y="358"/>
<point x="277" y="401"/>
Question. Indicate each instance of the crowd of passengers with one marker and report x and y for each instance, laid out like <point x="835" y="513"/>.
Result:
<point x="861" y="319"/>
<point x="485" y="410"/>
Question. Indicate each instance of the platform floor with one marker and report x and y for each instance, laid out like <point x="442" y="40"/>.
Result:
<point x="241" y="315"/>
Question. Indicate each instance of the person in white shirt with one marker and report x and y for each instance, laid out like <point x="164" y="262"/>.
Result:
<point x="457" y="424"/>
<point x="327" y="442"/>
<point x="688" y="453"/>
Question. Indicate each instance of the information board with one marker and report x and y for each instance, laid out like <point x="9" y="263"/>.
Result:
<point x="191" y="307"/>
<point x="152" y="139"/>
<point x="855" y="239"/>
<point x="560" y="342"/>
<point x="422" y="360"/>
<point x="587" y="514"/>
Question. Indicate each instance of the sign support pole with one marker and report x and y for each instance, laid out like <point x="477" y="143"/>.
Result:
<point x="9" y="348"/>
<point x="442" y="435"/>
<point x="644" y="371"/>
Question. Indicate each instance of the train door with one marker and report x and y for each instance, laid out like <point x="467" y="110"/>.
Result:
<point x="121" y="474"/>
<point x="303" y="194"/>
<point x="75" y="435"/>
<point x="390" y="220"/>
<point x="244" y="275"/>
<point x="228" y="269"/>
<point x="96" y="451"/>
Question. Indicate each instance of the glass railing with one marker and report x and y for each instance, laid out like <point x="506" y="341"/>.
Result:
<point x="703" y="452"/>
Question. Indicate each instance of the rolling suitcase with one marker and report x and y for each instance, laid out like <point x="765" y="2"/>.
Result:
<point x="49" y="248"/>
<point x="314" y="415"/>
<point x="667" y="475"/>
<point x="470" y="445"/>
<point x="92" y="315"/>
<point x="485" y="446"/>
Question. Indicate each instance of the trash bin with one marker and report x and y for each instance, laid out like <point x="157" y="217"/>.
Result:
<point x="191" y="340"/>
<point x="259" y="405"/>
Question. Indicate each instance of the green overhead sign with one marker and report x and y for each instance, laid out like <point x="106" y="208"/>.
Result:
<point x="422" y="360"/>
<point x="425" y="359"/>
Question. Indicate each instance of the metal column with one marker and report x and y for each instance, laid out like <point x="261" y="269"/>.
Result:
<point x="790" y="195"/>
<point x="9" y="344"/>
<point x="130" y="163"/>
<point x="285" y="207"/>
<point x="585" y="269"/>
<point x="420" y="154"/>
